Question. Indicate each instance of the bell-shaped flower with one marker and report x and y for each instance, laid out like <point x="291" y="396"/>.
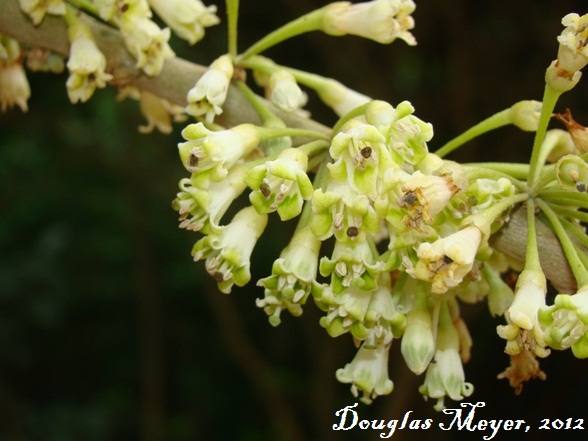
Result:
<point x="418" y="341"/>
<point x="352" y="264"/>
<point x="14" y="87"/>
<point x="117" y="11"/>
<point x="383" y="315"/>
<point x="281" y="185"/>
<point x="426" y="196"/>
<point x="483" y="193"/>
<point x="148" y="44"/>
<point x="36" y="9"/>
<point x="210" y="91"/>
<point x="159" y="112"/>
<point x="86" y="64"/>
<point x="202" y="210"/>
<point x="564" y="73"/>
<point x="187" y="18"/>
<point x="343" y="212"/>
<point x="448" y="260"/>
<point x="210" y="154"/>
<point x="293" y="276"/>
<point x="523" y="329"/>
<point x="379" y="20"/>
<point x="372" y="315"/>
<point x="228" y="251"/>
<point x="346" y="309"/>
<point x="406" y="135"/>
<point x="565" y="323"/>
<point x="368" y="372"/>
<point x="445" y="375"/>
<point x="284" y="92"/>
<point x="360" y="157"/>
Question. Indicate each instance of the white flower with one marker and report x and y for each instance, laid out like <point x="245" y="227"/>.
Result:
<point x="14" y="87"/>
<point x="426" y="196"/>
<point x="448" y="260"/>
<point x="445" y="375"/>
<point x="360" y="157"/>
<point x="216" y="152"/>
<point x="228" y="251"/>
<point x="523" y="330"/>
<point x="187" y="18"/>
<point x="293" y="276"/>
<point x="147" y="43"/>
<point x="418" y="341"/>
<point x="86" y="64"/>
<point x="379" y="20"/>
<point x="368" y="372"/>
<point x="564" y="73"/>
<point x="525" y="115"/>
<point x="341" y="211"/>
<point x="210" y="91"/>
<point x="36" y="9"/>
<point x="573" y="50"/>
<point x="117" y="10"/>
<point x="529" y="297"/>
<point x="281" y="185"/>
<point x="202" y="210"/>
<point x="284" y="92"/>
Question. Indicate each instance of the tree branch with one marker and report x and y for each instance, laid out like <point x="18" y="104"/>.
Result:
<point x="179" y="76"/>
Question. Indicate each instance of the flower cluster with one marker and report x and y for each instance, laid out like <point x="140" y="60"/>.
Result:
<point x="381" y="186"/>
<point x="408" y="232"/>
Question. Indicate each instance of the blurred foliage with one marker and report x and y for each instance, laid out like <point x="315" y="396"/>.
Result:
<point x="110" y="331"/>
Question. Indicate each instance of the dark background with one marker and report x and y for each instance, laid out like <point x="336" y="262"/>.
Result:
<point x="109" y="330"/>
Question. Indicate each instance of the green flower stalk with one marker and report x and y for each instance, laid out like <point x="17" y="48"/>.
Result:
<point x="445" y="375"/>
<point x="379" y="20"/>
<point x="368" y="372"/>
<point x="293" y="276"/>
<point x="524" y="115"/>
<point x="281" y="185"/>
<point x="228" y="251"/>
